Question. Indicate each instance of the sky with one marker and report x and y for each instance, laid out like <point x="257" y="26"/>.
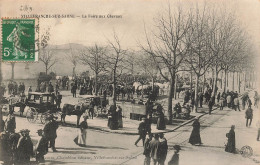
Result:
<point x="130" y="28"/>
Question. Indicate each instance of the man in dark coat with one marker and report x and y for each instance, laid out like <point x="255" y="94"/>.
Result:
<point x="148" y="123"/>
<point x="154" y="144"/>
<point x="10" y="123"/>
<point x="41" y="147"/>
<point x="160" y="120"/>
<point x="231" y="144"/>
<point x="24" y="148"/>
<point x="13" y="141"/>
<point x="141" y="131"/>
<point x="5" y="150"/>
<point x="50" y="88"/>
<point x="50" y="133"/>
<point x="249" y="102"/>
<point x="249" y="116"/>
<point x="91" y="109"/>
<point x="211" y="103"/>
<point x="163" y="148"/>
<point x="74" y="90"/>
<point x="200" y="98"/>
<point x="195" y="134"/>
<point x="58" y="99"/>
<point x="147" y="149"/>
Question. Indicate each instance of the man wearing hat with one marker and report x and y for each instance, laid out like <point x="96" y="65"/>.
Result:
<point x="50" y="133"/>
<point x="13" y="141"/>
<point x="163" y="148"/>
<point x="41" y="147"/>
<point x="155" y="144"/>
<point x="175" y="157"/>
<point x="10" y="124"/>
<point x="141" y="131"/>
<point x="24" y="147"/>
<point x="147" y="149"/>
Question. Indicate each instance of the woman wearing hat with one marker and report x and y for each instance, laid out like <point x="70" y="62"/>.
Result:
<point x="231" y="144"/>
<point x="195" y="134"/>
<point x="82" y="137"/>
<point x="41" y="147"/>
<point x="10" y="123"/>
<point x="24" y="147"/>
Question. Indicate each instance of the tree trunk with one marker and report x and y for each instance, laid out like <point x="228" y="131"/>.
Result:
<point x="73" y="71"/>
<point x="221" y="80"/>
<point x="114" y="88"/>
<point x="196" y="92"/>
<point x="239" y="83"/>
<point x="96" y="90"/>
<point x="233" y="82"/>
<point x="12" y="64"/>
<point x="215" y="82"/>
<point x="171" y="91"/>
<point x="152" y="84"/>
<point x="190" y="80"/>
<point x="245" y="81"/>
<point x="225" y="80"/>
<point x="204" y="81"/>
<point x="212" y="82"/>
<point x="175" y="87"/>
<point x="46" y="69"/>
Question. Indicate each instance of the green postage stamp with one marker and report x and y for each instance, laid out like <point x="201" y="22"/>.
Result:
<point x="19" y="40"/>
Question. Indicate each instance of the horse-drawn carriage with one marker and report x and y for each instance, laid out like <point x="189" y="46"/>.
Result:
<point x="40" y="106"/>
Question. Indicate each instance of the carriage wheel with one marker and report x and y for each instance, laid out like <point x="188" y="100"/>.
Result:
<point x="31" y="115"/>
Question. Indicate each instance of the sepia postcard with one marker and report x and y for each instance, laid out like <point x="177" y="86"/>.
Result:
<point x="130" y="82"/>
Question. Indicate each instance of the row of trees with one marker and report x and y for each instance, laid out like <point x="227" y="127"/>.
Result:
<point x="197" y="40"/>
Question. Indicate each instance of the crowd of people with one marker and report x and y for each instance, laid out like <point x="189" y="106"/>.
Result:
<point x="13" y="88"/>
<point x="17" y="147"/>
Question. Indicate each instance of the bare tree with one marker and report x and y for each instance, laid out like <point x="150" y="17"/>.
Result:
<point x="73" y="58"/>
<point x="115" y="61"/>
<point x="220" y="30"/>
<point x="199" y="58"/>
<point x="130" y="61"/>
<point x="168" y="48"/>
<point x="147" y="65"/>
<point x="94" y="58"/>
<point x="48" y="59"/>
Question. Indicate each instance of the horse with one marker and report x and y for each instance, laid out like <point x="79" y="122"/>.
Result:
<point x="69" y="109"/>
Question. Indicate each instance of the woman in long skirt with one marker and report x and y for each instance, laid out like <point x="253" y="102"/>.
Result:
<point x="231" y="144"/>
<point x="82" y="136"/>
<point x="195" y="134"/>
<point x="120" y="117"/>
